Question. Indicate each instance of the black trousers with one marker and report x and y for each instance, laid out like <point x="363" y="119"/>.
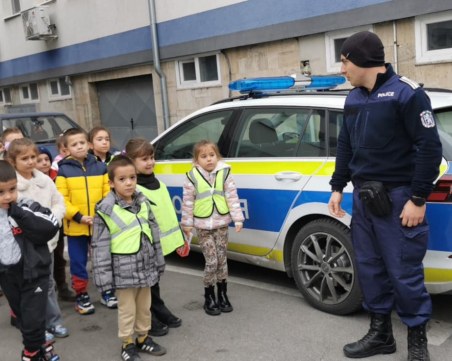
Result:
<point x="158" y="307"/>
<point x="28" y="300"/>
<point x="59" y="265"/>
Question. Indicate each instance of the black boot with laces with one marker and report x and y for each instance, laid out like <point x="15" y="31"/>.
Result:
<point x="378" y="340"/>
<point x="417" y="344"/>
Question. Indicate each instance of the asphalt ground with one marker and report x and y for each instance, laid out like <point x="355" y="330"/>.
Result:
<point x="270" y="321"/>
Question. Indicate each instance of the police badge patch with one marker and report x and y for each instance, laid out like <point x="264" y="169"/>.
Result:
<point x="427" y="119"/>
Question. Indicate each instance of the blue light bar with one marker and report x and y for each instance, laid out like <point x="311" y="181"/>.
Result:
<point x="315" y="82"/>
<point x="271" y="83"/>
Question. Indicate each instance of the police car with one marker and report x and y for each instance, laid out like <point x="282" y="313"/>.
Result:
<point x="282" y="148"/>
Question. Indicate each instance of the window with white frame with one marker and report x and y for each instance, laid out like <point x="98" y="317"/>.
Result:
<point x="198" y="71"/>
<point x="333" y="44"/>
<point x="434" y="38"/>
<point x="5" y="96"/>
<point x="29" y="93"/>
<point x="59" y="88"/>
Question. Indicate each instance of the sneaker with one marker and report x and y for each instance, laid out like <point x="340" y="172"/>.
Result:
<point x="83" y="304"/>
<point x="58" y="331"/>
<point x="109" y="299"/>
<point x="48" y="353"/>
<point x="49" y="337"/>
<point x="150" y="347"/>
<point x="130" y="353"/>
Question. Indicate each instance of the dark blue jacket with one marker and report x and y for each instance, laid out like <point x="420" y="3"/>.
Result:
<point x="33" y="226"/>
<point x="389" y="135"/>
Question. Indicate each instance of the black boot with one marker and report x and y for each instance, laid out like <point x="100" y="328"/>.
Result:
<point x="159" y="309"/>
<point x="157" y="328"/>
<point x="378" y="340"/>
<point x="417" y="344"/>
<point x="210" y="304"/>
<point x="223" y="301"/>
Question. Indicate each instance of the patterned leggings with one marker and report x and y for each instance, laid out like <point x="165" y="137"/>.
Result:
<point x="214" y="245"/>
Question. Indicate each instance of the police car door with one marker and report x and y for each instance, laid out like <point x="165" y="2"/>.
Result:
<point x="276" y="151"/>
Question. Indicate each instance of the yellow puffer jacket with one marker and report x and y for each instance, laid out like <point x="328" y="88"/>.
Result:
<point x="82" y="186"/>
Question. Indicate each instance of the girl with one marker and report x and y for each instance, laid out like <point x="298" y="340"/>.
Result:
<point x="142" y="154"/>
<point x="100" y="142"/>
<point x="210" y="203"/>
<point x="33" y="184"/>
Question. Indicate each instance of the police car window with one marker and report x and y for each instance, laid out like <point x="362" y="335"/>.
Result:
<point x="335" y="121"/>
<point x="179" y="143"/>
<point x="270" y="132"/>
<point x="313" y="141"/>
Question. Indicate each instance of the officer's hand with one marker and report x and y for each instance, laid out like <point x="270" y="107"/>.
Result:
<point x="334" y="205"/>
<point x="412" y="215"/>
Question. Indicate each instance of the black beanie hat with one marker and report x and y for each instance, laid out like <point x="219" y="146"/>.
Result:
<point x="364" y="49"/>
<point x="44" y="150"/>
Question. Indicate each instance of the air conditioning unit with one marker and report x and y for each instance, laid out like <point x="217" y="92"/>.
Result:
<point x="37" y="24"/>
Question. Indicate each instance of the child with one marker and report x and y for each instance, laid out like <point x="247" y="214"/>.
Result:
<point x="43" y="164"/>
<point x="83" y="182"/>
<point x="25" y="228"/>
<point x="210" y="202"/>
<point x="9" y="135"/>
<point x="142" y="154"/>
<point x="62" y="152"/>
<point x="127" y="256"/>
<point x="99" y="142"/>
<point x="32" y="184"/>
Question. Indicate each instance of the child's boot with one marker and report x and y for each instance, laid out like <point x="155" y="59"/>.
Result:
<point x="223" y="301"/>
<point x="31" y="356"/>
<point x="210" y="305"/>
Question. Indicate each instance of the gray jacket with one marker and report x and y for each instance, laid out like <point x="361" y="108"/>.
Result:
<point x="138" y="270"/>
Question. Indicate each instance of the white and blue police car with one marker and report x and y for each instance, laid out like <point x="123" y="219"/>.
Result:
<point x="282" y="147"/>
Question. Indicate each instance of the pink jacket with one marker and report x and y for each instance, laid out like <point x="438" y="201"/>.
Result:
<point x="215" y="220"/>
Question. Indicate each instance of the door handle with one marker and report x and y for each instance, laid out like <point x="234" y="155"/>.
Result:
<point x="292" y="176"/>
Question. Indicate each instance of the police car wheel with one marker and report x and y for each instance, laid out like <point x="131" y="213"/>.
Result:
<point x="324" y="269"/>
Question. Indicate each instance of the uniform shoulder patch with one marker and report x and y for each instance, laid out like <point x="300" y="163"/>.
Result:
<point x="410" y="82"/>
<point x="427" y="119"/>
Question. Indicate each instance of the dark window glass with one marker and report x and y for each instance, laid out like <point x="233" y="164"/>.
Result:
<point x="64" y="87"/>
<point x="189" y="72"/>
<point x="25" y="93"/>
<point x="439" y="35"/>
<point x="34" y="91"/>
<point x="337" y="49"/>
<point x="208" y="68"/>
<point x="54" y="87"/>
<point x="7" y="95"/>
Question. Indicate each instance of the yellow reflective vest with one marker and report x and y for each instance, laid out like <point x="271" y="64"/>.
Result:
<point x="209" y="196"/>
<point x="171" y="236"/>
<point x="126" y="228"/>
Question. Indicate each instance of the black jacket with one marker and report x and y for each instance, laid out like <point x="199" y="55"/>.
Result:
<point x="32" y="226"/>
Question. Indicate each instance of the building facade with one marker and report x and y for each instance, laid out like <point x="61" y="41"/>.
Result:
<point x="138" y="66"/>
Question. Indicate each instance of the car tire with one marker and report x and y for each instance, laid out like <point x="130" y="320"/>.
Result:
<point x="324" y="267"/>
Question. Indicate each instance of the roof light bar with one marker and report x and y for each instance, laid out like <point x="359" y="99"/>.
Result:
<point x="314" y="82"/>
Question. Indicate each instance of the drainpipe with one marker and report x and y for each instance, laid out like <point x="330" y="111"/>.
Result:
<point x="395" y="47"/>
<point x="156" y="59"/>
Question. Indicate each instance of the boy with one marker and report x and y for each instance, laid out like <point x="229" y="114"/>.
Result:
<point x="83" y="182"/>
<point x="127" y="256"/>
<point x="25" y="228"/>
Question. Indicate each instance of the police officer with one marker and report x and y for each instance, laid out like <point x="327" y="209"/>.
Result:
<point x="389" y="148"/>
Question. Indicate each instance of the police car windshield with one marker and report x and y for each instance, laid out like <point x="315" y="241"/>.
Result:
<point x="444" y="119"/>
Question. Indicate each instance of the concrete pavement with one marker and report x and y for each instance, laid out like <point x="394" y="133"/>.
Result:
<point x="268" y="323"/>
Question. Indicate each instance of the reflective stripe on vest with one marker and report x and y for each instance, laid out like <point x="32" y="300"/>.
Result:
<point x="209" y="196"/>
<point x="126" y="228"/>
<point x="171" y="236"/>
